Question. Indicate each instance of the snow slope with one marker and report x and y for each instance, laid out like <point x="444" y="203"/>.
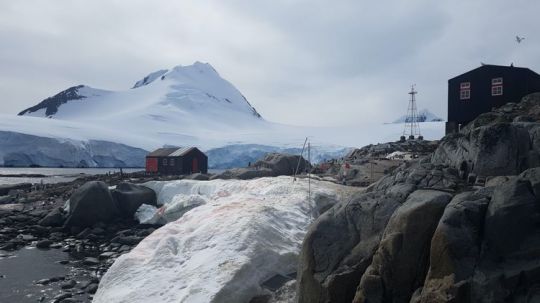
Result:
<point x="222" y="250"/>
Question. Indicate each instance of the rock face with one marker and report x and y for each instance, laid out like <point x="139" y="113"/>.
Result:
<point x="283" y="164"/>
<point x="91" y="203"/>
<point x="425" y="234"/>
<point x="271" y="165"/>
<point x="54" y="219"/>
<point x="496" y="143"/>
<point x="400" y="264"/>
<point x="129" y="197"/>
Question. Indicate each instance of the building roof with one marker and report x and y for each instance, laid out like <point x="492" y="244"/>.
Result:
<point x="171" y="152"/>
<point x="491" y="66"/>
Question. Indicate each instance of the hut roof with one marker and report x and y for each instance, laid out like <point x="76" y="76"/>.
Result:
<point x="170" y="152"/>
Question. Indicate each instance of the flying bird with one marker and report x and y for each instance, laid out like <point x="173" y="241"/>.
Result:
<point x="519" y="39"/>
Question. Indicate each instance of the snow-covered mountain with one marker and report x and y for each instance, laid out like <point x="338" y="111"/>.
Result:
<point x="423" y="116"/>
<point x="183" y="106"/>
<point x="194" y="94"/>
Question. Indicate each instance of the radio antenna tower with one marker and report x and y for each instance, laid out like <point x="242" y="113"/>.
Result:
<point x="412" y="128"/>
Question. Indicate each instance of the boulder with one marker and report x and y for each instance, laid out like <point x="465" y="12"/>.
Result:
<point x="89" y="204"/>
<point x="54" y="219"/>
<point x="455" y="249"/>
<point x="198" y="176"/>
<point x="6" y="188"/>
<point x="283" y="164"/>
<point x="401" y="262"/>
<point x="340" y="244"/>
<point x="508" y="269"/>
<point x="129" y="197"/>
<point x="244" y="174"/>
<point x="492" y="150"/>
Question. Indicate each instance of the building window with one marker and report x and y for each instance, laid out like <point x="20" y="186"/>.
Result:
<point x="465" y="90"/>
<point x="496" y="81"/>
<point x="164" y="161"/>
<point x="497" y="86"/>
<point x="171" y="162"/>
<point x="497" y="90"/>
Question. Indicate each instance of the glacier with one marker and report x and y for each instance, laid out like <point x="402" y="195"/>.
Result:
<point x="18" y="149"/>
<point x="238" y="235"/>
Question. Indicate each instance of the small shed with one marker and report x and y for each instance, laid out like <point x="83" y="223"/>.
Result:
<point x="177" y="161"/>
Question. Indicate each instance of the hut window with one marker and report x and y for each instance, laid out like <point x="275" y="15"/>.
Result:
<point x="164" y="161"/>
<point x="465" y="90"/>
<point x="497" y="90"/>
<point x="497" y="81"/>
<point x="171" y="162"/>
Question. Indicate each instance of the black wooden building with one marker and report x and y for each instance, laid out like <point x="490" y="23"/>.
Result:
<point x="177" y="161"/>
<point x="479" y="90"/>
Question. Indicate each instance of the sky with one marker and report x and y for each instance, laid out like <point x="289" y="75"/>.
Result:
<point x="312" y="63"/>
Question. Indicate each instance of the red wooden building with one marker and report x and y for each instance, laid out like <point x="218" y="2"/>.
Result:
<point x="177" y="161"/>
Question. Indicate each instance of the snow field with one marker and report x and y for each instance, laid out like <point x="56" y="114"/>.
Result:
<point x="221" y="250"/>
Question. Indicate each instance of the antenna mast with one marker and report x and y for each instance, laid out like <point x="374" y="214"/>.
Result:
<point x="412" y="128"/>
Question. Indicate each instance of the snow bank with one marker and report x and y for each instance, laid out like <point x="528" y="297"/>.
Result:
<point x="221" y="250"/>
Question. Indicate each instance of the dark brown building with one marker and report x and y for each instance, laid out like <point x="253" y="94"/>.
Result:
<point x="479" y="90"/>
<point x="177" y="161"/>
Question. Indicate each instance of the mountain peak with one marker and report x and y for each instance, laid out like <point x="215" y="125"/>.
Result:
<point x="49" y="106"/>
<point x="183" y="93"/>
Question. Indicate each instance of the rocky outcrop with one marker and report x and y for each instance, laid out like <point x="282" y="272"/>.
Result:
<point x="90" y="204"/>
<point x="431" y="232"/>
<point x="503" y="142"/>
<point x="283" y="164"/>
<point x="400" y="264"/>
<point x="271" y="165"/>
<point x="129" y="197"/>
<point x="339" y="247"/>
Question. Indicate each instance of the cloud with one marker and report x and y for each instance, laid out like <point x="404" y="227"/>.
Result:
<point x="299" y="62"/>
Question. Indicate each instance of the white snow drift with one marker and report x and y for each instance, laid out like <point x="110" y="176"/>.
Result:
<point x="239" y="234"/>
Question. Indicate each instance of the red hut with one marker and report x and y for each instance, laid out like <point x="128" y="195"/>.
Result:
<point x="177" y="161"/>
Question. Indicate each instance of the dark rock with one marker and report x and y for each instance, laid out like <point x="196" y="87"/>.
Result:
<point x="44" y="243"/>
<point x="494" y="150"/>
<point x="59" y="298"/>
<point x="69" y="284"/>
<point x="90" y="261"/>
<point x="244" y="174"/>
<point x="198" y="176"/>
<point x="89" y="204"/>
<point x="8" y="246"/>
<point x="401" y="262"/>
<point x="92" y="288"/>
<point x="129" y="197"/>
<point x="127" y="240"/>
<point x="455" y="247"/>
<point x="340" y="244"/>
<point x="6" y="188"/>
<point x="283" y="164"/>
<point x="54" y="218"/>
<point x="106" y="255"/>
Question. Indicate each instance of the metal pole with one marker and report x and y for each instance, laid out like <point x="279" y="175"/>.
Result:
<point x="300" y="159"/>
<point x="309" y="171"/>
